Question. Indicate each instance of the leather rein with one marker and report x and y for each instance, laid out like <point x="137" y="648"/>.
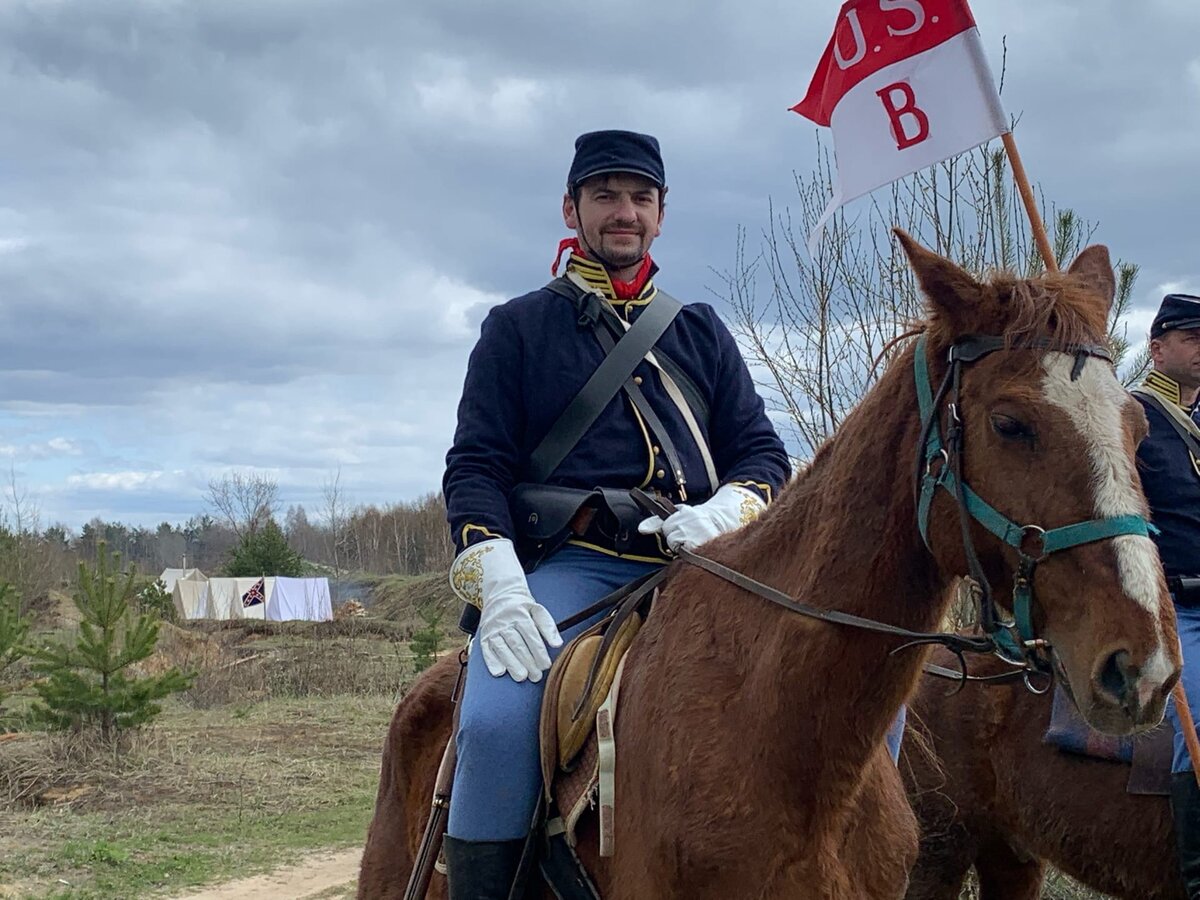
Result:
<point x="940" y="464"/>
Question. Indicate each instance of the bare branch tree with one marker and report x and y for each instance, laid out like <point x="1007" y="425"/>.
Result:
<point x="335" y="518"/>
<point x="26" y="561"/>
<point x="815" y="329"/>
<point x="244" y="501"/>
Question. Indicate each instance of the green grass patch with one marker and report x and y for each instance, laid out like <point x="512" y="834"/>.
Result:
<point x="205" y="796"/>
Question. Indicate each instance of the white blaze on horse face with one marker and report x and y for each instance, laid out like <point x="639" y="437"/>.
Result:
<point x="1093" y="402"/>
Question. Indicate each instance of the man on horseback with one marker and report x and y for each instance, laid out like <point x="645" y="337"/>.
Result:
<point x="537" y="481"/>
<point x="1169" y="463"/>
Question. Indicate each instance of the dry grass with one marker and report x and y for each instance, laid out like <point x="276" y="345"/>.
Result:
<point x="405" y="599"/>
<point x="203" y="795"/>
<point x="1057" y="887"/>
<point x="250" y="661"/>
<point x="273" y="752"/>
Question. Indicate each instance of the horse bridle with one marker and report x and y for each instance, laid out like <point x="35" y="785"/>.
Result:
<point x="941" y="464"/>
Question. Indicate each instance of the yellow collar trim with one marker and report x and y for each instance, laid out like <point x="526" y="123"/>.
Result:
<point x="1165" y="387"/>
<point x="597" y="276"/>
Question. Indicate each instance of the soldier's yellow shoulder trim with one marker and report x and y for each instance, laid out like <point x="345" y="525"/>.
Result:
<point x="1164" y="386"/>
<point x="598" y="278"/>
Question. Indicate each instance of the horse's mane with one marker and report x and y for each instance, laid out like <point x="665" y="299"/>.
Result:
<point x="1057" y="308"/>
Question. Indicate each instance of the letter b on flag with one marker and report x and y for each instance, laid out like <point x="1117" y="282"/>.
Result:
<point x="888" y="52"/>
<point x="910" y="125"/>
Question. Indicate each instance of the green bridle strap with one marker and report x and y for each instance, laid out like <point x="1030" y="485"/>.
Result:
<point x="1015" y="535"/>
<point x="1008" y="531"/>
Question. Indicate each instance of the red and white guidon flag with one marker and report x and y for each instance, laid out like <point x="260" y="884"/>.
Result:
<point x="903" y="85"/>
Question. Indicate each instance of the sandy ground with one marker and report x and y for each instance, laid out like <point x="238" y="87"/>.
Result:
<point x="320" y="873"/>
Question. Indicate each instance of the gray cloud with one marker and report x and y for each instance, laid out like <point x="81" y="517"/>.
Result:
<point x="259" y="234"/>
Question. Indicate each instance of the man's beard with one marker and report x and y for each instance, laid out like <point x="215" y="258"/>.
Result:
<point x="623" y="255"/>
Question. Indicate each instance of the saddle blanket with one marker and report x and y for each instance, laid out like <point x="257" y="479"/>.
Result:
<point x="1148" y="755"/>
<point x="1068" y="731"/>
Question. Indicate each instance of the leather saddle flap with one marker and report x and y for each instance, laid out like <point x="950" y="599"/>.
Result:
<point x="577" y="713"/>
<point x="562" y="732"/>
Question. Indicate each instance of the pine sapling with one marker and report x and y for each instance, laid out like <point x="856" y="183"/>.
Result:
<point x="89" y="683"/>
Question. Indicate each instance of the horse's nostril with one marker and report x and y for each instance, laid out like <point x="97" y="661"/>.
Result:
<point x="1114" y="676"/>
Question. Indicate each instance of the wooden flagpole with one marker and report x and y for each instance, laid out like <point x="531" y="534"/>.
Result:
<point x="1189" y="727"/>
<point x="1035" y="218"/>
<point x="1187" y="723"/>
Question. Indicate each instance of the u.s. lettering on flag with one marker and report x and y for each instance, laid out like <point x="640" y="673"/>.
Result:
<point x="902" y="85"/>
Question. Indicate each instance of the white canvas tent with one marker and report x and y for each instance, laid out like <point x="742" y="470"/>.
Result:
<point x="221" y="599"/>
<point x="188" y="595"/>
<point x="170" y="576"/>
<point x="300" y="598"/>
<point x="255" y="610"/>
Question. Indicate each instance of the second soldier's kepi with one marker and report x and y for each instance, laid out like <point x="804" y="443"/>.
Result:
<point x="1178" y="311"/>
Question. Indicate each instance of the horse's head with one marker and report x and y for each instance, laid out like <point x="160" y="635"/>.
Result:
<point x="1048" y="439"/>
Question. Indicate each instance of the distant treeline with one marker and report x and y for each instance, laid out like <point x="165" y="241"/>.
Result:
<point x="407" y="538"/>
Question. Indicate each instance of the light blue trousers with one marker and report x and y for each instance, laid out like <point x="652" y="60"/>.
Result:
<point x="498" y="775"/>
<point x="1188" y="620"/>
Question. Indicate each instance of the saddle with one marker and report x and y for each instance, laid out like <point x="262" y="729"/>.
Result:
<point x="577" y="742"/>
<point x="576" y="729"/>
<point x="1148" y="755"/>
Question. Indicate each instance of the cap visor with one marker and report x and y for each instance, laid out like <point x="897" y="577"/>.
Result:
<point x="621" y="170"/>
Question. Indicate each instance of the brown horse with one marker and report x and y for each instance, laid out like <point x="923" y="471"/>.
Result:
<point x="751" y="739"/>
<point x="992" y="795"/>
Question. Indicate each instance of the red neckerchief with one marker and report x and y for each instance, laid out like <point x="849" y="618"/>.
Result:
<point x="624" y="290"/>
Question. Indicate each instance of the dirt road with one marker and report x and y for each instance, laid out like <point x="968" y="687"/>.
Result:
<point x="315" y="877"/>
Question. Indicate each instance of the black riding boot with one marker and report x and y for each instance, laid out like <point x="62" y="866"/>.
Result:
<point x="1185" y="805"/>
<point x="482" y="870"/>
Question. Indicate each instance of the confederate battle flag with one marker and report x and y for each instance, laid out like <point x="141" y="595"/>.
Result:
<point x="256" y="595"/>
<point x="903" y="85"/>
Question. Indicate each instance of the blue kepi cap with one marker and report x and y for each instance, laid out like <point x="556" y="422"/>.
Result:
<point x="1177" y="311"/>
<point x="606" y="152"/>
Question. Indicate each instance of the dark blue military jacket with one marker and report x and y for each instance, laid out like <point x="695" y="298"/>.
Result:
<point x="1171" y="480"/>
<point x="532" y="358"/>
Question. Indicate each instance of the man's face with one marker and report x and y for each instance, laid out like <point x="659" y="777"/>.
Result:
<point x="1177" y="355"/>
<point x="618" y="216"/>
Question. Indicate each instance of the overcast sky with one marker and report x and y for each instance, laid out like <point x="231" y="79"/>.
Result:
<point x="261" y="234"/>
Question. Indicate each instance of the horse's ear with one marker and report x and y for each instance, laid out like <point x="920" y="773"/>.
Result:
<point x="1094" y="268"/>
<point x="950" y="289"/>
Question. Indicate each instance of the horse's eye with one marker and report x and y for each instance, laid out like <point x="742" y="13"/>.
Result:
<point x="1013" y="429"/>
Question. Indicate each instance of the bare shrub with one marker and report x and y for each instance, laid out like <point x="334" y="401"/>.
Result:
<point x="814" y="329"/>
<point x="260" y="660"/>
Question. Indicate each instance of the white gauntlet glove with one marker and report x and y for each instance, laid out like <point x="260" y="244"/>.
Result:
<point x="514" y="629"/>
<point x="688" y="527"/>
